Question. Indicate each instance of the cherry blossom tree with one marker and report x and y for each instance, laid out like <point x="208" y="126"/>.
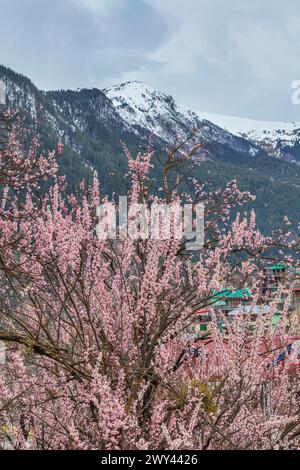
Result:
<point x="97" y="356"/>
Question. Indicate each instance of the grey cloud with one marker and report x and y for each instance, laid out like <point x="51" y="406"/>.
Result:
<point x="230" y="56"/>
<point x="69" y="44"/>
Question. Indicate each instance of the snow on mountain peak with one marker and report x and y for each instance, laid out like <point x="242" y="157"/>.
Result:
<point x="142" y="106"/>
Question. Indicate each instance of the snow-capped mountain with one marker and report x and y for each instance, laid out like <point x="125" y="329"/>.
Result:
<point x="142" y="106"/>
<point x="272" y="136"/>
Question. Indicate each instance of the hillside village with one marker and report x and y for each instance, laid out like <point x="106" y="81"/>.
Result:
<point x="229" y="303"/>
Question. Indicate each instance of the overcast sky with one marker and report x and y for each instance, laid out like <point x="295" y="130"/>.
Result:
<point x="236" y="57"/>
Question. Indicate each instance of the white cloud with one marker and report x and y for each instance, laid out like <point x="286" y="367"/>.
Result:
<point x="228" y="56"/>
<point x="98" y="6"/>
<point x="225" y="56"/>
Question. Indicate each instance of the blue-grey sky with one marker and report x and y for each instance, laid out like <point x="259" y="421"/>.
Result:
<point x="236" y="57"/>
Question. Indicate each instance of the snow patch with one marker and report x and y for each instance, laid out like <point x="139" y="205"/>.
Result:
<point x="142" y="105"/>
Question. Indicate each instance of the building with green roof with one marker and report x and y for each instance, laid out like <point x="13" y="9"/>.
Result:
<point x="229" y="299"/>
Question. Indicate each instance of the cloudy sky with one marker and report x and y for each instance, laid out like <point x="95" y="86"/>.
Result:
<point x="236" y="57"/>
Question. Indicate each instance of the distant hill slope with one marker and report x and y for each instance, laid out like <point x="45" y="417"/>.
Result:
<point x="142" y="105"/>
<point x="263" y="157"/>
